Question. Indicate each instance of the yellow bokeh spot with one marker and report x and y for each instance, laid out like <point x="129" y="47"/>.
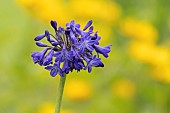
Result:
<point x="95" y="9"/>
<point x="46" y="10"/>
<point x="139" y="30"/>
<point x="77" y="90"/>
<point x="150" y="53"/>
<point x="46" y="108"/>
<point x="104" y="13"/>
<point x="84" y="9"/>
<point x="161" y="73"/>
<point x="124" y="89"/>
<point x="50" y="108"/>
<point x="105" y="32"/>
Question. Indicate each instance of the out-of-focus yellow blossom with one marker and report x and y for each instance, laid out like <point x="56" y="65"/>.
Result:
<point x="46" y="10"/>
<point x="105" y="32"/>
<point x="144" y="47"/>
<point x="139" y="30"/>
<point x="161" y="73"/>
<point x="50" y="108"/>
<point x="47" y="108"/>
<point x="84" y="9"/>
<point x="124" y="89"/>
<point x="104" y="13"/>
<point x="89" y="9"/>
<point x="77" y="90"/>
<point x="150" y="53"/>
<point x="95" y="9"/>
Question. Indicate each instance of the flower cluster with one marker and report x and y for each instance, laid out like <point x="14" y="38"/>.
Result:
<point x="70" y="49"/>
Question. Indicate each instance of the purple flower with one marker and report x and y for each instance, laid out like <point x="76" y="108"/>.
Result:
<point x="63" y="55"/>
<point x="94" y="62"/>
<point x="38" y="57"/>
<point x="78" y="64"/>
<point x="70" y="47"/>
<point x="39" y="37"/>
<point x="55" y="69"/>
<point x="85" y="44"/>
<point x="102" y="50"/>
<point x="66" y="67"/>
<point x="48" y="59"/>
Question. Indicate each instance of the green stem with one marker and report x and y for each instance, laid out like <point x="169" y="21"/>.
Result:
<point x="60" y="93"/>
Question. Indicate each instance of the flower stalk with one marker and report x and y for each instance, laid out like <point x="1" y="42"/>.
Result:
<point x="60" y="94"/>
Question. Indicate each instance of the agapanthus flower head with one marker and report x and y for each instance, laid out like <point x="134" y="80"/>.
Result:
<point x="70" y="49"/>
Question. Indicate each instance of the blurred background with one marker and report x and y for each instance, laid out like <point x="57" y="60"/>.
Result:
<point x="136" y="76"/>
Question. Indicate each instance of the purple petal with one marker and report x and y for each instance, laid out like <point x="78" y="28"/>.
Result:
<point x="54" y="24"/>
<point x="53" y="72"/>
<point x="47" y="34"/>
<point x="72" y="37"/>
<point x="89" y="69"/>
<point x="39" y="37"/>
<point x="65" y="67"/>
<point x="40" y="44"/>
<point x="67" y="32"/>
<point x="57" y="53"/>
<point x="82" y="33"/>
<point x="72" y="22"/>
<point x="101" y="64"/>
<point x="79" y="31"/>
<point x="102" y="50"/>
<point x="67" y="25"/>
<point x="48" y="58"/>
<point x="77" y="25"/>
<point x="48" y="67"/>
<point x="55" y="43"/>
<point x="90" y="48"/>
<point x="89" y="23"/>
<point x="52" y="40"/>
<point x="57" y="64"/>
<point x="38" y="57"/>
<point x="91" y="29"/>
<point x="97" y="63"/>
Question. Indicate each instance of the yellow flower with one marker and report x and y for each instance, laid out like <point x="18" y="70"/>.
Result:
<point x="46" y="10"/>
<point x="150" y="53"/>
<point x="46" y="108"/>
<point x="95" y="9"/>
<point x="161" y="73"/>
<point x="124" y="89"/>
<point x="105" y="32"/>
<point x="104" y="13"/>
<point x="50" y="108"/>
<point x="77" y="90"/>
<point x="139" y="30"/>
<point x="84" y="9"/>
